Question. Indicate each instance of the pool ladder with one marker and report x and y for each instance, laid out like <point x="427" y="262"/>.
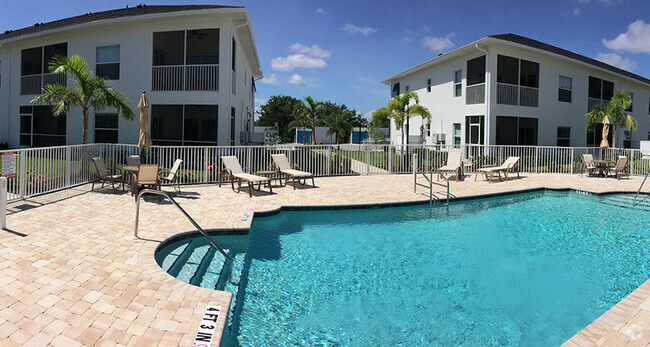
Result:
<point x="641" y="186"/>
<point x="196" y="225"/>
<point x="417" y="170"/>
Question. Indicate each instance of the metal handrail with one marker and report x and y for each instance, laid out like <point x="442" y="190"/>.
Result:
<point x="196" y="225"/>
<point x="429" y="179"/>
<point x="641" y="186"/>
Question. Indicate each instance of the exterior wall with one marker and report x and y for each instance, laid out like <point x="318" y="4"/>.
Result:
<point x="135" y="38"/>
<point x="551" y="113"/>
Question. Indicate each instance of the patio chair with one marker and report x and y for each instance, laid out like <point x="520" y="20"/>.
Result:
<point x="588" y="164"/>
<point x="172" y="175"/>
<point x="148" y="177"/>
<point x="105" y="176"/>
<point x="488" y="172"/>
<point x="133" y="160"/>
<point x="231" y="164"/>
<point x="285" y="169"/>
<point x="619" y="169"/>
<point x="454" y="165"/>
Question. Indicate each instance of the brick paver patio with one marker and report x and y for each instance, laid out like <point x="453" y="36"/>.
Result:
<point x="71" y="273"/>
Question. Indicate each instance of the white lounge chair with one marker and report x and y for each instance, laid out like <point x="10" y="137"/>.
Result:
<point x="232" y="166"/>
<point x="285" y="169"/>
<point x="488" y="172"/>
<point x="454" y="165"/>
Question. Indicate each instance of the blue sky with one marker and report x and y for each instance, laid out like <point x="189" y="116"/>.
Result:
<point x="341" y="50"/>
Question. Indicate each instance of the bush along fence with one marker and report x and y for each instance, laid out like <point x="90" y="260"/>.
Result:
<point x="43" y="170"/>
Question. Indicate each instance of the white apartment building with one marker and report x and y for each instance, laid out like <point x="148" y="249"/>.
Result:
<point x="512" y="90"/>
<point x="197" y="63"/>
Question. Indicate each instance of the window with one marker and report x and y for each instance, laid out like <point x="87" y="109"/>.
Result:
<point x="191" y="47"/>
<point x="629" y="109"/>
<point x="474" y="130"/>
<point x="564" y="89"/>
<point x="34" y="64"/>
<point x="395" y="91"/>
<point x="599" y="91"/>
<point x="458" y="83"/>
<point x="428" y="85"/>
<point x="108" y="62"/>
<point x="457" y="133"/>
<point x="529" y="74"/>
<point x="516" y="131"/>
<point x="39" y="127"/>
<point x="476" y="71"/>
<point x="518" y="81"/>
<point x="31" y="61"/>
<point x="174" y="125"/>
<point x="507" y="70"/>
<point x="234" y="51"/>
<point x="106" y="128"/>
<point x="563" y="136"/>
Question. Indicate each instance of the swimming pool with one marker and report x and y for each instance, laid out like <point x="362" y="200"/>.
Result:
<point x="525" y="269"/>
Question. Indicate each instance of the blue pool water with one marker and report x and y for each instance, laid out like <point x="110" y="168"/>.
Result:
<point x="528" y="269"/>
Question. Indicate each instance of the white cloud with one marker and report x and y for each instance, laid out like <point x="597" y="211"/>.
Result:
<point x="297" y="80"/>
<point x="437" y="43"/>
<point x="636" y="39"/>
<point x="313" y="50"/>
<point x="259" y="101"/>
<point x="320" y="10"/>
<point x="616" y="60"/>
<point x="271" y="80"/>
<point x="576" y="12"/>
<point x="293" y="61"/>
<point x="353" y="29"/>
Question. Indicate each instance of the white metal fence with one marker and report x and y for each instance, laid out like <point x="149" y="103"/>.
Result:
<point x="43" y="170"/>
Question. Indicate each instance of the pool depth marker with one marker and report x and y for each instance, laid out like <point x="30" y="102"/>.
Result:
<point x="205" y="333"/>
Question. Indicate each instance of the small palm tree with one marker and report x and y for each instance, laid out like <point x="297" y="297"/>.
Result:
<point x="339" y="124"/>
<point x="87" y="92"/>
<point x="310" y="110"/>
<point x="615" y="111"/>
<point x="401" y="110"/>
<point x="300" y="120"/>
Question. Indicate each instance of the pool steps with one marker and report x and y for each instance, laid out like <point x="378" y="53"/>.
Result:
<point x="628" y="202"/>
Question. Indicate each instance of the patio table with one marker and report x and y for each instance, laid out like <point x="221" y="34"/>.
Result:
<point x="602" y="166"/>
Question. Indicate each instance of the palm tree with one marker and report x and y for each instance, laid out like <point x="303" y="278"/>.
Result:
<point x="401" y="111"/>
<point x="310" y="110"/>
<point x="87" y="92"/>
<point x="615" y="111"/>
<point x="338" y="124"/>
<point x="300" y="120"/>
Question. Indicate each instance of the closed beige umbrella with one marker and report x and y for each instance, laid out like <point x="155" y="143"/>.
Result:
<point x="604" y="143"/>
<point x="144" y="140"/>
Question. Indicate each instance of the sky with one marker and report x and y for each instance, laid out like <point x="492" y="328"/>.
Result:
<point x="341" y="50"/>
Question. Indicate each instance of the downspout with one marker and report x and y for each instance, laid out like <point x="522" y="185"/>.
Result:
<point x="487" y="95"/>
<point x="234" y="28"/>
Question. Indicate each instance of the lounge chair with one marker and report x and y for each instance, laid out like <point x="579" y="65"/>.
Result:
<point x="172" y="175"/>
<point x="588" y="164"/>
<point x="488" y="172"/>
<point x="285" y="169"/>
<point x="619" y="168"/>
<point x="105" y="176"/>
<point x="231" y="164"/>
<point x="454" y="165"/>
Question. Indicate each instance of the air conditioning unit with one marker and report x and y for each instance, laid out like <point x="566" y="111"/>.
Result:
<point x="438" y="138"/>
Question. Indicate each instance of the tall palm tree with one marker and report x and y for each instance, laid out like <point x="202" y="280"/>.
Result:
<point x="401" y="111"/>
<point x="615" y="111"/>
<point x="88" y="91"/>
<point x="338" y="124"/>
<point x="311" y="110"/>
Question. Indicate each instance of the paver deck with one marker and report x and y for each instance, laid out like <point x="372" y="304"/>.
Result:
<point x="71" y="273"/>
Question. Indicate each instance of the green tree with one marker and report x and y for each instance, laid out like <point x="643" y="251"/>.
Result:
<point x="380" y="119"/>
<point x="88" y="91"/>
<point x="279" y="109"/>
<point x="401" y="110"/>
<point x="615" y="111"/>
<point x="339" y="124"/>
<point x="309" y="111"/>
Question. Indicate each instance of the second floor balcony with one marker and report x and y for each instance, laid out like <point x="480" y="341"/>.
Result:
<point x="512" y="94"/>
<point x="33" y="84"/>
<point x="185" y="77"/>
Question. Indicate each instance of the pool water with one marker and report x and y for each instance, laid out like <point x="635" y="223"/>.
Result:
<point x="527" y="269"/>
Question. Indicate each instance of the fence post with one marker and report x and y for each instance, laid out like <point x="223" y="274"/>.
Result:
<point x="329" y="159"/>
<point x="572" y="159"/>
<point x="536" y="159"/>
<point x="205" y="164"/>
<point x="68" y="166"/>
<point x="630" y="160"/>
<point x="415" y="171"/>
<point x="23" y="174"/>
<point x="367" y="159"/>
<point x="390" y="158"/>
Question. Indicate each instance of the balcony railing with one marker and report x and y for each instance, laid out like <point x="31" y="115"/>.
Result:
<point x="33" y="84"/>
<point x="591" y="102"/>
<point x="475" y="94"/>
<point x="185" y="77"/>
<point x="511" y="94"/>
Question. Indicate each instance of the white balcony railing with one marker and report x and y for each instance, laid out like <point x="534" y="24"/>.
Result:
<point x="33" y="84"/>
<point x="185" y="77"/>
<point x="591" y="102"/>
<point x="512" y="94"/>
<point x="475" y="94"/>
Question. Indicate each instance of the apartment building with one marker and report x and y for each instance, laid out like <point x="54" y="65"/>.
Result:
<point x="512" y="90"/>
<point x="197" y="63"/>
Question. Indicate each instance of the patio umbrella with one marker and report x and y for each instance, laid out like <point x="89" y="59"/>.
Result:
<point x="144" y="140"/>
<point x="604" y="143"/>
